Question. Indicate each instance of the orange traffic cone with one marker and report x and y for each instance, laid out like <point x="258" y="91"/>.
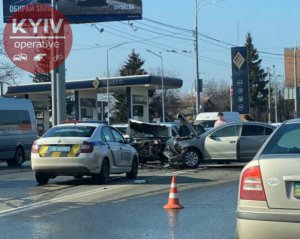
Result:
<point x="173" y="202"/>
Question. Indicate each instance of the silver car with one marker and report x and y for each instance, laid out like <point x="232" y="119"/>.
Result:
<point x="78" y="149"/>
<point x="269" y="191"/>
<point x="237" y="141"/>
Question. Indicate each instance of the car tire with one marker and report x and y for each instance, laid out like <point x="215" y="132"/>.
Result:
<point x="42" y="178"/>
<point x="191" y="158"/>
<point x="103" y="177"/>
<point x="18" y="158"/>
<point x="134" y="169"/>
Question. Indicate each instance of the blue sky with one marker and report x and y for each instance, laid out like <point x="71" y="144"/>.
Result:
<point x="274" y="25"/>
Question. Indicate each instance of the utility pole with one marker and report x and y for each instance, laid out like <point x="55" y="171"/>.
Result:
<point x="53" y="78"/>
<point x="296" y="77"/>
<point x="197" y="62"/>
<point x="58" y="86"/>
<point x="275" y="96"/>
<point x="269" y="98"/>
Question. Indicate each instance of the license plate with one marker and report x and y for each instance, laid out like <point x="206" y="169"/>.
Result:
<point x="297" y="189"/>
<point x="59" y="148"/>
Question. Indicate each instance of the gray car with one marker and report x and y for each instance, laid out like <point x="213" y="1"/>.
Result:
<point x="238" y="141"/>
<point x="269" y="191"/>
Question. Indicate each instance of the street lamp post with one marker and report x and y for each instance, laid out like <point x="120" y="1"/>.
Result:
<point x="162" y="84"/>
<point x="295" y="76"/>
<point x="107" y="80"/>
<point x="198" y="7"/>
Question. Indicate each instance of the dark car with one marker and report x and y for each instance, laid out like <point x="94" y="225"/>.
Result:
<point x="238" y="141"/>
<point x="149" y="139"/>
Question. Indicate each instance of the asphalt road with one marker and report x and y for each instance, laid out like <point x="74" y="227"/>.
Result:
<point x="68" y="208"/>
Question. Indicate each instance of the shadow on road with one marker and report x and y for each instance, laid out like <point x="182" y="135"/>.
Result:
<point x="145" y="180"/>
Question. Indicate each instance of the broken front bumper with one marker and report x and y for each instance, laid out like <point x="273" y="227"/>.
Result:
<point x="174" y="156"/>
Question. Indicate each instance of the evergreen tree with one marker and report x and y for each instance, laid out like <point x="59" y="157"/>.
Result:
<point x="258" y="91"/>
<point x="43" y="65"/>
<point x="41" y="77"/>
<point x="132" y="66"/>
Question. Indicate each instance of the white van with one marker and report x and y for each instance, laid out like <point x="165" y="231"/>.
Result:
<point x="18" y="130"/>
<point x="208" y="119"/>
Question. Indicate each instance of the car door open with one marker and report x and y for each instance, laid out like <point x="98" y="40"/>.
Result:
<point x="222" y="143"/>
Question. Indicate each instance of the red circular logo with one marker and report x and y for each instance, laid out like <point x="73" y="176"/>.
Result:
<point x="37" y="38"/>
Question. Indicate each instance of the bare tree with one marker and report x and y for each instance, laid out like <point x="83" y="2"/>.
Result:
<point x="8" y="71"/>
<point x="217" y="92"/>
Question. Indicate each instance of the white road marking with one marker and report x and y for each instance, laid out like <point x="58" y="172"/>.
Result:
<point x="78" y="195"/>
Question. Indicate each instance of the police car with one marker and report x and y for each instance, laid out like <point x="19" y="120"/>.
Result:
<point x="79" y="149"/>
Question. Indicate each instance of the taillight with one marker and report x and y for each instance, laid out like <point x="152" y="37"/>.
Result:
<point x="35" y="147"/>
<point x="252" y="187"/>
<point x="86" y="147"/>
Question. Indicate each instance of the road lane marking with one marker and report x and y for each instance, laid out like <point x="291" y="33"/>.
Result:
<point x="59" y="199"/>
<point x="81" y="194"/>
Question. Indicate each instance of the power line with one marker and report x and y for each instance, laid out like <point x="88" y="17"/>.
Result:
<point x="165" y="30"/>
<point x="167" y="35"/>
<point x="167" y="25"/>
<point x="142" y="40"/>
<point x="208" y="37"/>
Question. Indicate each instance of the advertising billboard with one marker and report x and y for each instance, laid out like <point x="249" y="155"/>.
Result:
<point x="240" y="83"/>
<point x="84" y="11"/>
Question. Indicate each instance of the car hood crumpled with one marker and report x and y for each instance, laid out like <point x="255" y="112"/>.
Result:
<point x="138" y="129"/>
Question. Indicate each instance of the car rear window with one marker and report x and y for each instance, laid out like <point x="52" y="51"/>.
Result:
<point x="285" y="140"/>
<point x="70" y="131"/>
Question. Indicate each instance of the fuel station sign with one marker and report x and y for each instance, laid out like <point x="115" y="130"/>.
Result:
<point x="240" y="82"/>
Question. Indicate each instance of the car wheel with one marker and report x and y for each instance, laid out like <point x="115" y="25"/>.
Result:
<point x="41" y="178"/>
<point x="104" y="173"/>
<point x="191" y="158"/>
<point x="18" y="158"/>
<point x="134" y="169"/>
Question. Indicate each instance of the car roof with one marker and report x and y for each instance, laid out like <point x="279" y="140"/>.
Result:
<point x="250" y="123"/>
<point x="292" y="121"/>
<point x="81" y="124"/>
<point x="120" y="125"/>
